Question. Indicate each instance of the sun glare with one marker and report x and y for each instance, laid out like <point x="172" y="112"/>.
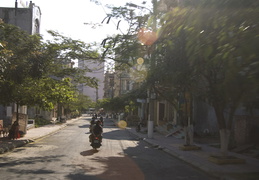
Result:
<point x="147" y="36"/>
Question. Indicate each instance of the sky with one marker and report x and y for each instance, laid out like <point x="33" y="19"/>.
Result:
<point x="69" y="17"/>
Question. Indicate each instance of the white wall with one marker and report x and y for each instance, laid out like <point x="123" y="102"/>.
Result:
<point x="98" y="72"/>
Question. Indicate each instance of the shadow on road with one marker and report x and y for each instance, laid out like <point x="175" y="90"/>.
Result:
<point x="84" y="126"/>
<point x="116" y="135"/>
<point x="89" y="152"/>
<point x="115" y="168"/>
<point x="30" y="160"/>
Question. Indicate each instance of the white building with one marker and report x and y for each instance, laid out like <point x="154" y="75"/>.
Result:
<point x="97" y="69"/>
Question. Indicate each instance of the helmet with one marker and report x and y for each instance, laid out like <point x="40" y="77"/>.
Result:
<point x="98" y="122"/>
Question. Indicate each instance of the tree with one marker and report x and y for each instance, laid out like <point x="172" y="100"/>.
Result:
<point x="62" y="51"/>
<point x="21" y="59"/>
<point x="115" y="105"/>
<point x="219" y="47"/>
<point x="79" y="105"/>
<point x="172" y="75"/>
<point x="37" y="73"/>
<point x="125" y="48"/>
<point x="226" y="54"/>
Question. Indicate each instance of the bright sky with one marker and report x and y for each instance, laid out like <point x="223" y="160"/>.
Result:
<point x="68" y="17"/>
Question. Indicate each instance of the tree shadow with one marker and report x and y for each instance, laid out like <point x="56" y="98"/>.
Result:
<point x="30" y="160"/>
<point x="116" y="135"/>
<point x="115" y="168"/>
<point x="39" y="171"/>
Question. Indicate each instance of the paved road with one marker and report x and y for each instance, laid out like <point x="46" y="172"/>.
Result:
<point x="68" y="155"/>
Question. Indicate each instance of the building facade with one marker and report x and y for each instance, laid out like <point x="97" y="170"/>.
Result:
<point x="28" y="19"/>
<point x="109" y="85"/>
<point x="97" y="71"/>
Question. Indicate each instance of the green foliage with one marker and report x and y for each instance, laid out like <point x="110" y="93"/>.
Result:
<point x="116" y="104"/>
<point x="41" y="122"/>
<point x="42" y="74"/>
<point x="125" y="48"/>
<point x="211" y="53"/>
<point x="21" y="59"/>
<point x="206" y="48"/>
<point x="75" y="114"/>
<point x="130" y="107"/>
<point x="80" y="104"/>
<point x="62" y="51"/>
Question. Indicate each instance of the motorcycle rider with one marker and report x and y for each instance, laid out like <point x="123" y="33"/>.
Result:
<point x="101" y="119"/>
<point x="93" y="121"/>
<point x="96" y="131"/>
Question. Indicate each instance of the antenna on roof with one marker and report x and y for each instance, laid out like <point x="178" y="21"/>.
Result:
<point x="16" y="6"/>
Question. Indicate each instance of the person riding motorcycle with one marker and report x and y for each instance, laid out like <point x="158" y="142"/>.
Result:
<point x="96" y="131"/>
<point x="101" y="119"/>
<point x="93" y="121"/>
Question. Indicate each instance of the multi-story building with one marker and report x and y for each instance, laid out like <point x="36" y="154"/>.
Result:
<point x="28" y="19"/>
<point x="97" y="71"/>
<point x="109" y="85"/>
<point x="123" y="83"/>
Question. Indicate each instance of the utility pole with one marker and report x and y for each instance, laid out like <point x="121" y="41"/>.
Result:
<point x="151" y="96"/>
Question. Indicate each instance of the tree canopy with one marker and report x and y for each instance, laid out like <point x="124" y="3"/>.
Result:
<point x="208" y="49"/>
<point x="40" y="73"/>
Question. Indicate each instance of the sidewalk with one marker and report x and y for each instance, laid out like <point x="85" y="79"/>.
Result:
<point x="199" y="158"/>
<point x="33" y="134"/>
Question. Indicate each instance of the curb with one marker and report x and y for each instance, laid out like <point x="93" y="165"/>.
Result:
<point x="11" y="146"/>
<point x="48" y="134"/>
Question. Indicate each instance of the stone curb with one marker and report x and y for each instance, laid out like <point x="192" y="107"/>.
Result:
<point x="13" y="145"/>
<point x="49" y="133"/>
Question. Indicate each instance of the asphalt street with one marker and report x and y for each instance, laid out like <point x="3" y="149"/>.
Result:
<point x="67" y="154"/>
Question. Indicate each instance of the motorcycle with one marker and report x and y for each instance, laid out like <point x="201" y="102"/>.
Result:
<point x="96" y="142"/>
<point x="138" y="127"/>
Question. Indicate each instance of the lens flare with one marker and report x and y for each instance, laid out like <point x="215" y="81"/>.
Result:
<point x="140" y="61"/>
<point x="122" y="124"/>
<point x="147" y="36"/>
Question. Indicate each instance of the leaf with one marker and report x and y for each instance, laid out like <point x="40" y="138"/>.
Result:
<point x="179" y="29"/>
<point x="208" y="51"/>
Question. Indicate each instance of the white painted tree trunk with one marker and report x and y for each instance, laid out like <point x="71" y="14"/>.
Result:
<point x="191" y="134"/>
<point x="185" y="135"/>
<point x="188" y="131"/>
<point x="224" y="141"/>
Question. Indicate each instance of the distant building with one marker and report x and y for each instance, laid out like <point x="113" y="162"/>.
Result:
<point x="123" y="82"/>
<point x="109" y="85"/>
<point x="97" y="69"/>
<point x="28" y="19"/>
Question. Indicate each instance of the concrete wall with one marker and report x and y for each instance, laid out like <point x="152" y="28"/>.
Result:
<point x="28" y="19"/>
